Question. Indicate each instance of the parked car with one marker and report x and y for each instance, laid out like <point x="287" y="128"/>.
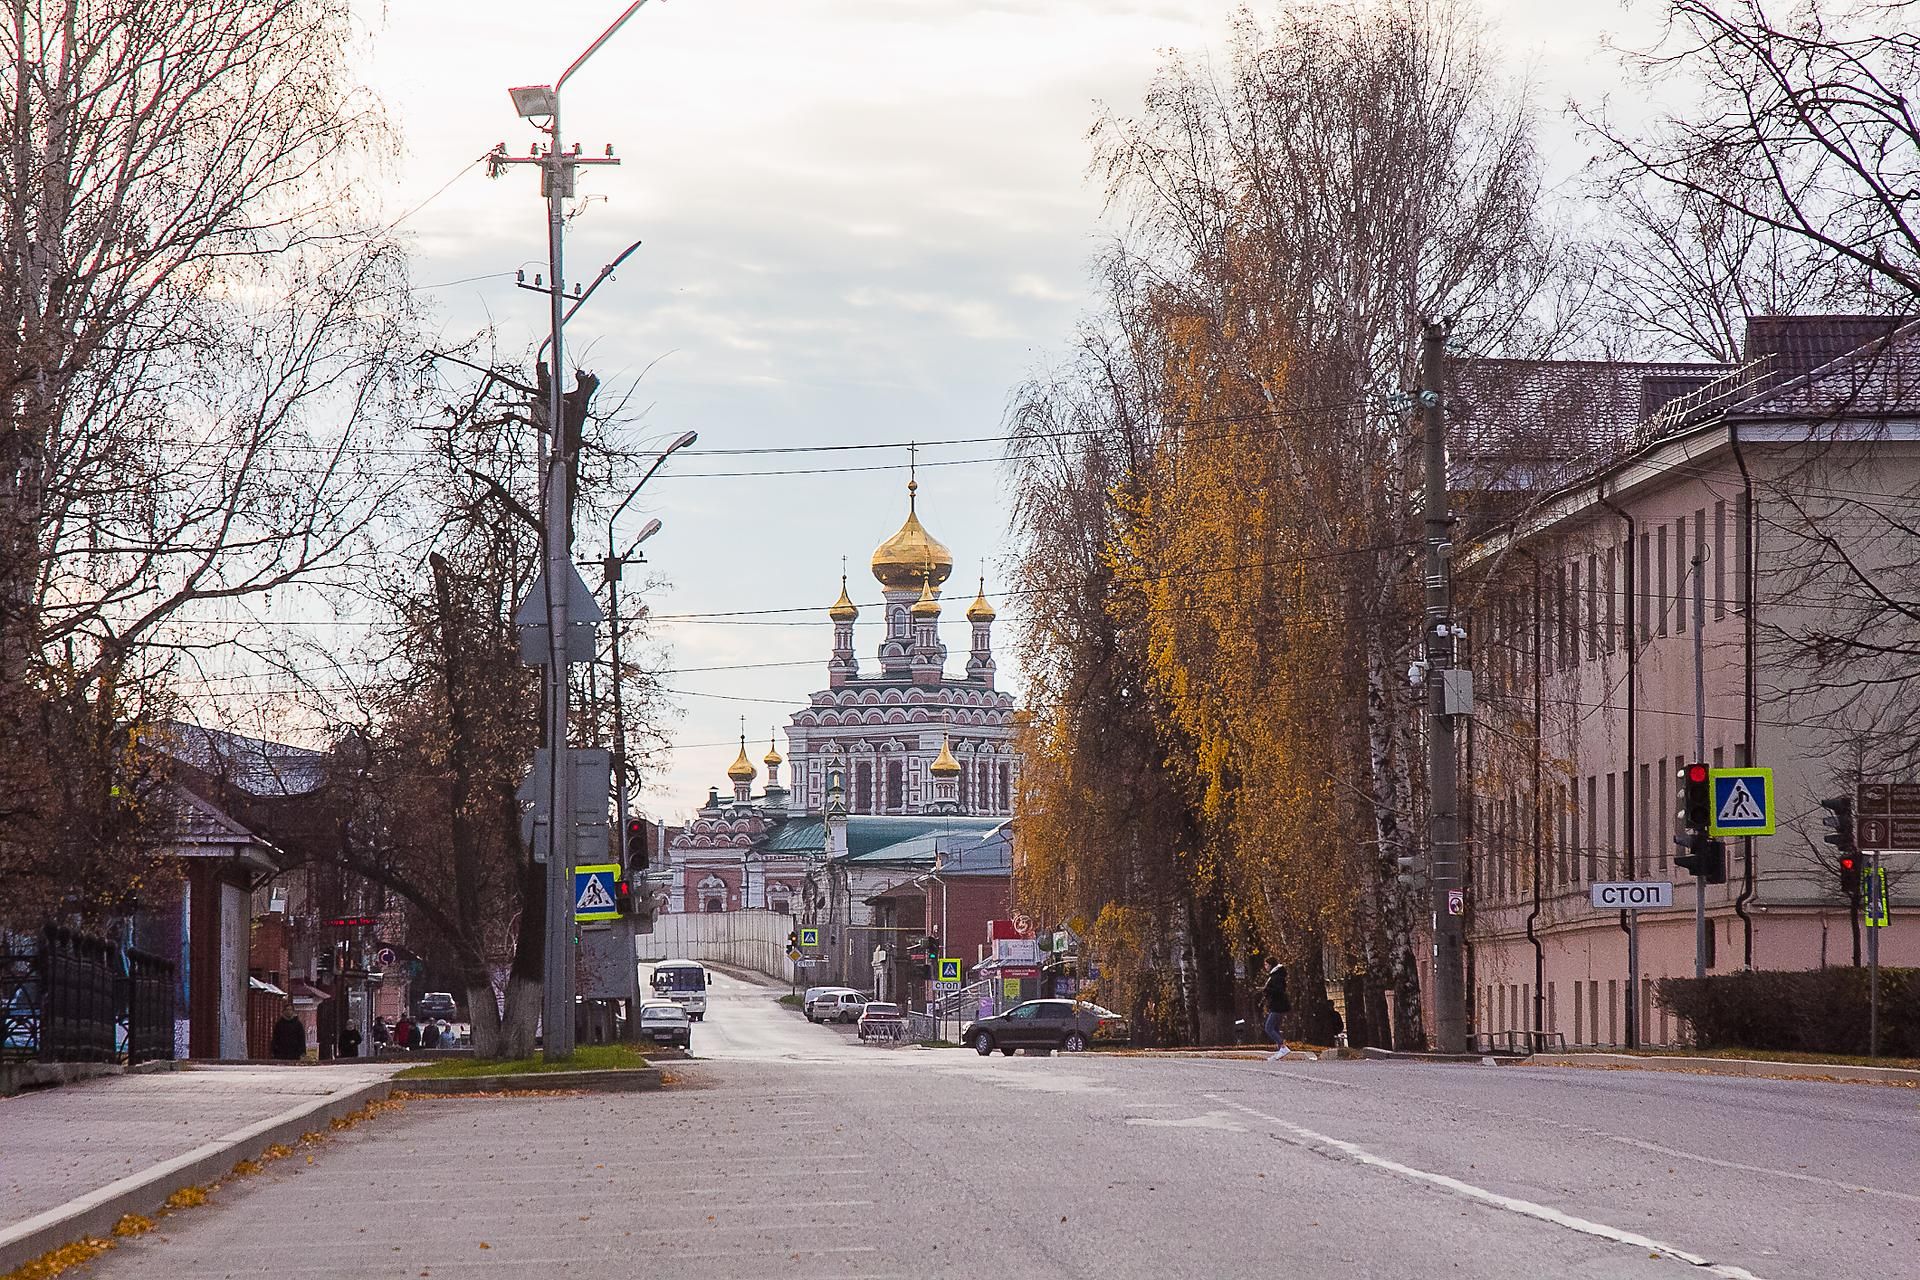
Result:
<point x="1045" y="1025"/>
<point x="664" y="1022"/>
<point x="437" y="1005"/>
<point x="837" y="1006"/>
<point x="880" y="1020"/>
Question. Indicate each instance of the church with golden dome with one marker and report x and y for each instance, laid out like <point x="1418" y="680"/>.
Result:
<point x="895" y="756"/>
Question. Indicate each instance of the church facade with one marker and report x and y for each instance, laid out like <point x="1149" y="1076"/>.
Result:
<point x="901" y="737"/>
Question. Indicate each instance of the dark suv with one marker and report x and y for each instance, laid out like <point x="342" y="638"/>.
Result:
<point x="1041" y="1025"/>
<point x="438" y="1004"/>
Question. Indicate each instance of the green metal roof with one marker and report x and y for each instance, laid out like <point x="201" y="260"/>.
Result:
<point x="884" y="837"/>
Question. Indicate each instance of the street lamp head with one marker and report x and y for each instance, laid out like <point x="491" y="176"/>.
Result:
<point x="686" y="438"/>
<point x="647" y="531"/>
<point x="534" y="100"/>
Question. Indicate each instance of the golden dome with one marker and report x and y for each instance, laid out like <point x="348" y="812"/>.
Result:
<point x="912" y="556"/>
<point x="980" y="610"/>
<point x="742" y="770"/>
<point x="926" y="606"/>
<point x="773" y="756"/>
<point x="944" y="765"/>
<point x="843" y="610"/>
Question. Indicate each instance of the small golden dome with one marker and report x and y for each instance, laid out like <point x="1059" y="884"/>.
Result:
<point x="980" y="610"/>
<point x="843" y="610"/>
<point x="742" y="770"/>
<point x="926" y="606"/>
<point x="773" y="756"/>
<point x="911" y="556"/>
<point x="944" y="765"/>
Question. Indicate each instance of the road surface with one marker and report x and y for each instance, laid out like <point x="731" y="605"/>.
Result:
<point x="792" y="1151"/>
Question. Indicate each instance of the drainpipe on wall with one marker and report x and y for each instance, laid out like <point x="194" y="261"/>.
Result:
<point x="1633" y="704"/>
<point x="1748" y="886"/>
<point x="1533" y="916"/>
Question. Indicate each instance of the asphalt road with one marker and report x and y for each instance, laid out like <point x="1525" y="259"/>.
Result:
<point x="792" y="1151"/>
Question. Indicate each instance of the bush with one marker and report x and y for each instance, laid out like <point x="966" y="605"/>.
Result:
<point x="1803" y="1011"/>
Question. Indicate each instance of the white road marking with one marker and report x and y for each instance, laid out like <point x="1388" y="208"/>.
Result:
<point x="1324" y="1145"/>
<point x="1211" y="1120"/>
<point x="1837" y="1185"/>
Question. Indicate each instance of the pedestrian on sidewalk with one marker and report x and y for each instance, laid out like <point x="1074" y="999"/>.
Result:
<point x="429" y="1034"/>
<point x="403" y="1033"/>
<point x="289" y="1039"/>
<point x="1275" y="993"/>
<point x="350" y="1042"/>
<point x="380" y="1034"/>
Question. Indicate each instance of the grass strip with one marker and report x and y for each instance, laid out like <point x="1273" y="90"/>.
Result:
<point x="592" y="1057"/>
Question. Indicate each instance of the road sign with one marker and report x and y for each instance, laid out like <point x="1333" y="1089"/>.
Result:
<point x="593" y="892"/>
<point x="949" y="969"/>
<point x="1742" y="802"/>
<point x="1456" y="902"/>
<point x="1887" y="815"/>
<point x="792" y="954"/>
<point x="809" y="937"/>
<point x="1873" y="886"/>
<point x="946" y="988"/>
<point x="386" y="957"/>
<point x="1631" y="895"/>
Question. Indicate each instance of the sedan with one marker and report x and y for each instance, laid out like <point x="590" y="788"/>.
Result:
<point x="665" y="1023"/>
<point x="881" y="1021"/>
<point x="1042" y="1025"/>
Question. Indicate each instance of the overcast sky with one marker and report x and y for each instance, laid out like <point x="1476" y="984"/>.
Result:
<point x="864" y="221"/>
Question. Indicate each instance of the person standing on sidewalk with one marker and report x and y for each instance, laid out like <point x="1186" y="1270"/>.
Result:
<point x="1275" y="993"/>
<point x="289" y="1039"/>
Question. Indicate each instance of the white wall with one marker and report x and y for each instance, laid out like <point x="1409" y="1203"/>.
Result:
<point x="755" y="940"/>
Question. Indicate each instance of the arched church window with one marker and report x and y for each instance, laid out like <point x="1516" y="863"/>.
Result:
<point x="1006" y="788"/>
<point x="896" y="786"/>
<point x="863" y="787"/>
<point x="715" y="906"/>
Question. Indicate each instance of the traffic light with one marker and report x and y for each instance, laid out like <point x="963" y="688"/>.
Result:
<point x="793" y="939"/>
<point x="1838" y="820"/>
<point x="1696" y="797"/>
<point x="623" y="897"/>
<point x="638" y="855"/>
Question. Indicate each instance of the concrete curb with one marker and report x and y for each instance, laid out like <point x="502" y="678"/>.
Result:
<point x="95" y="1213"/>
<point x="1764" y="1068"/>
<point x="20" y="1077"/>
<point x="1375" y="1054"/>
<point x="616" y="1081"/>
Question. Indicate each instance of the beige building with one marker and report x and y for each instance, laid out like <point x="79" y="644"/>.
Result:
<point x="1786" y="492"/>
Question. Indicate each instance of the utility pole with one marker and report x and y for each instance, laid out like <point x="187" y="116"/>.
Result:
<point x="1444" y="700"/>
<point x="557" y="165"/>
<point x="1699" y="737"/>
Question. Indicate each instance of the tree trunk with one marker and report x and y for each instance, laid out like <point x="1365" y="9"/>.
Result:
<point x="526" y="980"/>
<point x="1392" y="800"/>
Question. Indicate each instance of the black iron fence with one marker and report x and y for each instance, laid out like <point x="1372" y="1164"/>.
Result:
<point x="69" y="997"/>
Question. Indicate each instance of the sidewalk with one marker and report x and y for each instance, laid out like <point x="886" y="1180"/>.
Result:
<point x="74" y="1159"/>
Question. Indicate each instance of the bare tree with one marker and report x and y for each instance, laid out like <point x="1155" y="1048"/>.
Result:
<point x="1798" y="124"/>
<point x="198" y="333"/>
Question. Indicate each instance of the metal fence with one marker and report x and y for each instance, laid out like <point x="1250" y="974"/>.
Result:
<point x="69" y="997"/>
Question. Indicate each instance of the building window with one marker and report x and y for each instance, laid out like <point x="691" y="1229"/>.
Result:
<point x="863" y="787"/>
<point x="1006" y="788"/>
<point x="715" y="906"/>
<point x="963" y="779"/>
<point x="1593" y="827"/>
<point x="1742" y="523"/>
<point x="1593" y="607"/>
<point x="1657" y="838"/>
<point x="896" y="787"/>
<point x="1613" y="589"/>
<point x="1719" y="559"/>
<point x="1643" y="863"/>
<point x="1642" y="597"/>
<point x="1613" y="827"/>
<point x="1660" y="562"/>
<point x="1570" y="615"/>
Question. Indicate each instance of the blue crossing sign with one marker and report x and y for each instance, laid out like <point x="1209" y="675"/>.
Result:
<point x="809" y="937"/>
<point x="593" y="889"/>
<point x="1742" y="802"/>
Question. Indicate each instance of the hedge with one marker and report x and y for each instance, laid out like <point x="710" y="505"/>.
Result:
<point x="1802" y="1011"/>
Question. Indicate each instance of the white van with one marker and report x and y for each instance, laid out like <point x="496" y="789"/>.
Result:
<point x="685" y="983"/>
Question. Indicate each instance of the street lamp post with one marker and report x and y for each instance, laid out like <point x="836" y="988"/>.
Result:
<point x="536" y="102"/>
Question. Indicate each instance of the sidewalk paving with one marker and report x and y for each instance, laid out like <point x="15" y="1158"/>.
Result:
<point x="74" y="1156"/>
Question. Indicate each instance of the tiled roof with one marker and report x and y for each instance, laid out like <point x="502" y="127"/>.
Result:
<point x="884" y="837"/>
<point x="254" y="765"/>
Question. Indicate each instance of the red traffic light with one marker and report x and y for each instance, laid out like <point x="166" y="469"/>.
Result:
<point x="1696" y="773"/>
<point x="1846" y="862"/>
<point x="636" y="827"/>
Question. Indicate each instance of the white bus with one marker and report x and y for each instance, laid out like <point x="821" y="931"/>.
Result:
<point x="685" y="983"/>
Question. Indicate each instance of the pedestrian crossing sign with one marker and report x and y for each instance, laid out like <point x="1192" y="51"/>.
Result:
<point x="949" y="969"/>
<point x="809" y="937"/>
<point x="593" y="892"/>
<point x="1742" y="802"/>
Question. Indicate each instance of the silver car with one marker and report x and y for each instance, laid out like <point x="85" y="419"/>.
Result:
<point x="666" y="1023"/>
<point x="837" y="1004"/>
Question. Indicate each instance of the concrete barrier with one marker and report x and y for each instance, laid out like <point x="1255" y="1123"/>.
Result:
<point x="755" y="940"/>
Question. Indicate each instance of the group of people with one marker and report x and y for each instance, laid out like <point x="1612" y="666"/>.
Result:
<point x="427" y="1033"/>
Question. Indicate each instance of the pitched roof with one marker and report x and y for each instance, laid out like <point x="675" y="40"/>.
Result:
<point x="882" y="838"/>
<point x="257" y="766"/>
